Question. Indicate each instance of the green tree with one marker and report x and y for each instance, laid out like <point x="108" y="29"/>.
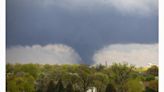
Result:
<point x="100" y="81"/>
<point x="42" y="82"/>
<point x="51" y="86"/>
<point x="100" y="67"/>
<point x="150" y="90"/>
<point x="110" y="88"/>
<point x="120" y="73"/>
<point x="80" y="78"/>
<point x="9" y="68"/>
<point x="134" y="85"/>
<point x="11" y="84"/>
<point x="149" y="77"/>
<point x="69" y="88"/>
<point x="32" y="69"/>
<point x="59" y="86"/>
<point x="20" y="83"/>
<point x="152" y="86"/>
<point x="85" y="77"/>
<point x="153" y="70"/>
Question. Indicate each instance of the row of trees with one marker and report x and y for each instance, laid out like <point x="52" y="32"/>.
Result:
<point x="80" y="78"/>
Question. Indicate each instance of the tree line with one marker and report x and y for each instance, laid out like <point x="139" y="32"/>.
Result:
<point x="81" y="78"/>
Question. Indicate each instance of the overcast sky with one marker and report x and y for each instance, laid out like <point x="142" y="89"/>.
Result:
<point x="78" y="31"/>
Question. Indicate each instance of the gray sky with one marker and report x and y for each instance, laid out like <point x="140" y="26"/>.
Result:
<point x="84" y="25"/>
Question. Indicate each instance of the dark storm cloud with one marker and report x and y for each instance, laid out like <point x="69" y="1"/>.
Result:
<point x="29" y="23"/>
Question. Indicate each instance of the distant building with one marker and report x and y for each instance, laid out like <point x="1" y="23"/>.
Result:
<point x="92" y="89"/>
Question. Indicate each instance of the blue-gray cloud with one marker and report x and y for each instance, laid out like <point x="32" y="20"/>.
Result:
<point x="123" y="6"/>
<point x="85" y="29"/>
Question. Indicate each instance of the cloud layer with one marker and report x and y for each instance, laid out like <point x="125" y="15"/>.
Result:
<point x="136" y="54"/>
<point x="49" y="54"/>
<point x="124" y="6"/>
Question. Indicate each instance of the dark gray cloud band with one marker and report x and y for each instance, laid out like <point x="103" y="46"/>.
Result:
<point x="85" y="25"/>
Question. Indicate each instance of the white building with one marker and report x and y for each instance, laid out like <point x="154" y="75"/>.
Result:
<point x="92" y="89"/>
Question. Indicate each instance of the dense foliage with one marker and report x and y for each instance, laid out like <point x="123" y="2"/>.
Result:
<point x="80" y="78"/>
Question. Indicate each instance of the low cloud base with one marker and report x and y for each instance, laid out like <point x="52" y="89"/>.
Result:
<point x="135" y="54"/>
